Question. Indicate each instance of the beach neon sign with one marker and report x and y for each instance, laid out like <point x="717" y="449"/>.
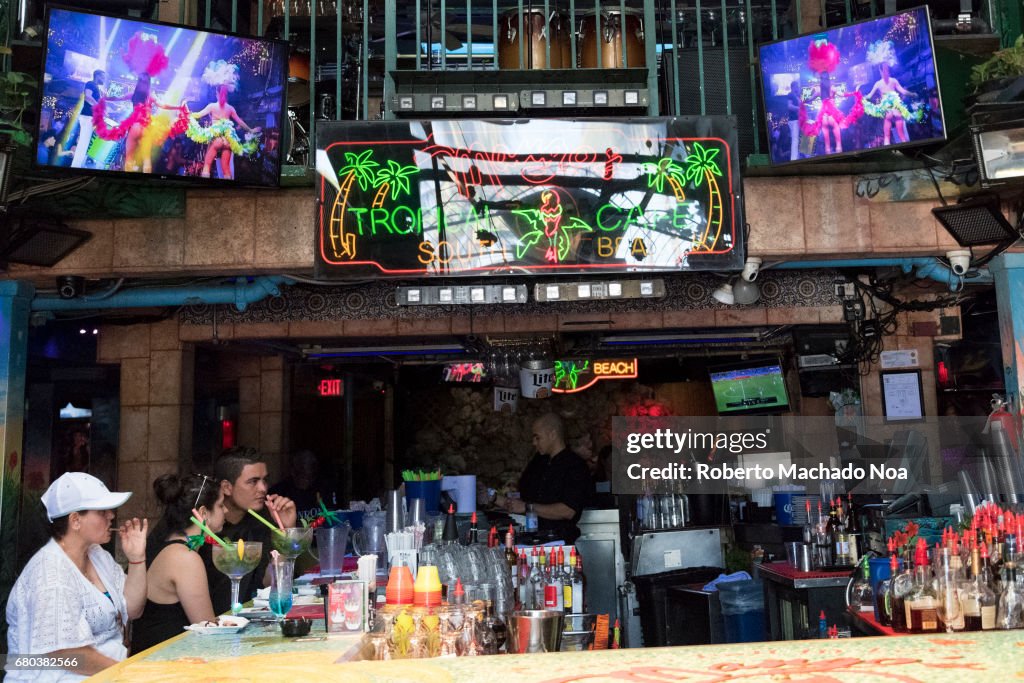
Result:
<point x="473" y="197"/>
<point x="572" y="376"/>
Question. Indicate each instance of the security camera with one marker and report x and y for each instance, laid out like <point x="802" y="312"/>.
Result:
<point x="959" y="260"/>
<point x="70" y="286"/>
<point x="751" y="268"/>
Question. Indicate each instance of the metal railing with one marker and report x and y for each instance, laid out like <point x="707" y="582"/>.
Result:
<point x="354" y="46"/>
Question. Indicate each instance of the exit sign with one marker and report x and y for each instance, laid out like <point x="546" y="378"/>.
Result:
<point x="330" y="387"/>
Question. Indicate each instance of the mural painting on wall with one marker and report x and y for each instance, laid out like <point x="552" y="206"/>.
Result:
<point x="474" y="197"/>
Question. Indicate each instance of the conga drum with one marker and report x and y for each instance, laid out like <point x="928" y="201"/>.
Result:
<point x="537" y="32"/>
<point x="613" y="24"/>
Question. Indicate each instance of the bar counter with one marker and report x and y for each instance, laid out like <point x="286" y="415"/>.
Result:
<point x="259" y="655"/>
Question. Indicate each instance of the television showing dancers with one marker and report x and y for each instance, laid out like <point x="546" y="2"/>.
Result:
<point x="865" y="86"/>
<point x="121" y="95"/>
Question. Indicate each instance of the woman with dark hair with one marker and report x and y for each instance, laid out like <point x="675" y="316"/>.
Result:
<point x="177" y="593"/>
<point x="73" y="601"/>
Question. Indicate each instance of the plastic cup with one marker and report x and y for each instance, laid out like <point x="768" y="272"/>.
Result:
<point x="330" y="543"/>
<point x="400" y="588"/>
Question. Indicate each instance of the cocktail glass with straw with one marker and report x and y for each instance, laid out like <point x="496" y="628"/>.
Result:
<point x="236" y="560"/>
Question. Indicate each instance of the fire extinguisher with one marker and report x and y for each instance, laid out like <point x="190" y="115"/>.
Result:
<point x="1006" y="419"/>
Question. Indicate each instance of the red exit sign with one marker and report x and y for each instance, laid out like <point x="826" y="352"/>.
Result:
<point x="330" y="387"/>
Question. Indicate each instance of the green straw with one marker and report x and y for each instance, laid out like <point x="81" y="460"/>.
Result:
<point x="271" y="526"/>
<point x="207" y="531"/>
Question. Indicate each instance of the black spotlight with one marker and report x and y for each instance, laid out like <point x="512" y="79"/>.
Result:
<point x="70" y="286"/>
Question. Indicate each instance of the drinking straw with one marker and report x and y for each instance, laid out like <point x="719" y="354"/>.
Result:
<point x="206" y="530"/>
<point x="269" y="525"/>
<point x="277" y="518"/>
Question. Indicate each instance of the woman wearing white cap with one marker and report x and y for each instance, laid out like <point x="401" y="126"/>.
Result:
<point x="72" y="602"/>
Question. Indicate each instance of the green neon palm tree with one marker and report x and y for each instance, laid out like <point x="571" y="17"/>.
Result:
<point x="665" y="171"/>
<point x="393" y="180"/>
<point x="701" y="166"/>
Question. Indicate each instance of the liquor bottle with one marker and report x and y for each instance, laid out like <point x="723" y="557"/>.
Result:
<point x="862" y="596"/>
<point x="822" y="625"/>
<point x="616" y="635"/>
<point x="900" y="586"/>
<point x="979" y="603"/>
<point x="1010" y="613"/>
<point x="538" y="581"/>
<point x="474" y="531"/>
<point x="525" y="587"/>
<point x="922" y="604"/>
<point x="492" y="537"/>
<point x="458" y="596"/>
<point x="553" y="595"/>
<point x="575" y="604"/>
<point x="510" y="548"/>
<point x="883" y="594"/>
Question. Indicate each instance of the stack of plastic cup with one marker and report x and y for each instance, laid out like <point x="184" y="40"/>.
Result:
<point x="400" y="586"/>
<point x="427" y="590"/>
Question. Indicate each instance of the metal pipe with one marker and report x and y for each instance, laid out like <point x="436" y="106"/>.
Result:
<point x="923" y="267"/>
<point x="241" y="294"/>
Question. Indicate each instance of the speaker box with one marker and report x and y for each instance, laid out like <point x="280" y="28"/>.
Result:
<point x="679" y="70"/>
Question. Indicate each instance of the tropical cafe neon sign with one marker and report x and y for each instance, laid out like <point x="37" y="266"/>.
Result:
<point x="472" y="197"/>
<point x="572" y="376"/>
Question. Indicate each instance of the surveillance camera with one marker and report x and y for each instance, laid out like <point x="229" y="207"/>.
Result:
<point x="959" y="260"/>
<point x="70" y="286"/>
<point x="751" y="268"/>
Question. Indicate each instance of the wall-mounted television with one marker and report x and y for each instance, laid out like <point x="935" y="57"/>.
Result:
<point x="753" y="386"/>
<point x="123" y="96"/>
<point x="865" y="86"/>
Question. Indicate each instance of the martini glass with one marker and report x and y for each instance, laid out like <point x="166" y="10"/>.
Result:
<point x="235" y="563"/>
<point x="292" y="542"/>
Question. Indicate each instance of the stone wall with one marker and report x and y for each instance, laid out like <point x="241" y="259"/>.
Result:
<point x="458" y="429"/>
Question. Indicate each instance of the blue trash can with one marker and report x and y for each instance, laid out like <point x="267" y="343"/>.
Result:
<point x="742" y="611"/>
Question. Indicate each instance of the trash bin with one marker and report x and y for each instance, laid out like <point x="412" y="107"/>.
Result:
<point x="742" y="611"/>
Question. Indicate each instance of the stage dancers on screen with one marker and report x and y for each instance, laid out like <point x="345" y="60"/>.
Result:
<point x="223" y="141"/>
<point x="94" y="90"/>
<point x="823" y="58"/>
<point x="890" y="105"/>
<point x="141" y="130"/>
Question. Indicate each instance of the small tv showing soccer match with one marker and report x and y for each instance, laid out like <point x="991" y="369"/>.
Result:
<point x="124" y="96"/>
<point x="755" y="386"/>
<point x="865" y="86"/>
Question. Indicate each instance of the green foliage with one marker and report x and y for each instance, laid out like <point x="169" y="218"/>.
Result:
<point x="737" y="559"/>
<point x="17" y="93"/>
<point x="1005" y="63"/>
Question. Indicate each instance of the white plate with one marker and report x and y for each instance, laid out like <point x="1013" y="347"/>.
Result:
<point x="232" y="625"/>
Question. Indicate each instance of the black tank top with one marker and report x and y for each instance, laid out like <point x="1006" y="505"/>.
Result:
<point x="158" y="622"/>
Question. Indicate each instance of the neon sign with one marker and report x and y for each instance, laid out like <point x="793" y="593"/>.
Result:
<point x="479" y="197"/>
<point x="330" y="387"/>
<point x="572" y="376"/>
<point x="464" y="372"/>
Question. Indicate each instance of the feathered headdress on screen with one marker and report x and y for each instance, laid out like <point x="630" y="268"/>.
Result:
<point x="145" y="54"/>
<point x="822" y="56"/>
<point x="882" y="52"/>
<point x="219" y="72"/>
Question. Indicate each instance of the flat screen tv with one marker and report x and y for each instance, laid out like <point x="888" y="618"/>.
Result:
<point x="865" y="86"/>
<point x="755" y="386"/>
<point x="123" y="96"/>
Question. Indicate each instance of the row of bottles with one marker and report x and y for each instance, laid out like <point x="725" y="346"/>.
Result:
<point x="971" y="582"/>
<point x="547" y="581"/>
<point x="836" y="536"/>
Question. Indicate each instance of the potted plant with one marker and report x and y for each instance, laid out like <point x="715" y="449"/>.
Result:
<point x="1003" y="68"/>
<point x="17" y="93"/>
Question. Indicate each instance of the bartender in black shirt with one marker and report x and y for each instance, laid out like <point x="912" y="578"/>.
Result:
<point x="556" y="482"/>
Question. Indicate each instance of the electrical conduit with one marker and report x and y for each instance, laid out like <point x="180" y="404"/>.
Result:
<point x="923" y="267"/>
<point x="242" y="293"/>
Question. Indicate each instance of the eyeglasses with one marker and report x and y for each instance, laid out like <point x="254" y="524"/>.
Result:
<point x="201" y="487"/>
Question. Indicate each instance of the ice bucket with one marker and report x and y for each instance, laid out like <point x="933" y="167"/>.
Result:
<point x="535" y="630"/>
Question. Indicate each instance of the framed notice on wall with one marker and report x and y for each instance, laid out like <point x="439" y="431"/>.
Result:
<point x="902" y="395"/>
<point x="476" y="197"/>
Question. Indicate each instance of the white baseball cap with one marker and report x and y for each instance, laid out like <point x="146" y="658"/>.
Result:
<point x="77" y="491"/>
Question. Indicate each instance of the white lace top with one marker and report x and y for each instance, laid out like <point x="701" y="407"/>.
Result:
<point x="54" y="607"/>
